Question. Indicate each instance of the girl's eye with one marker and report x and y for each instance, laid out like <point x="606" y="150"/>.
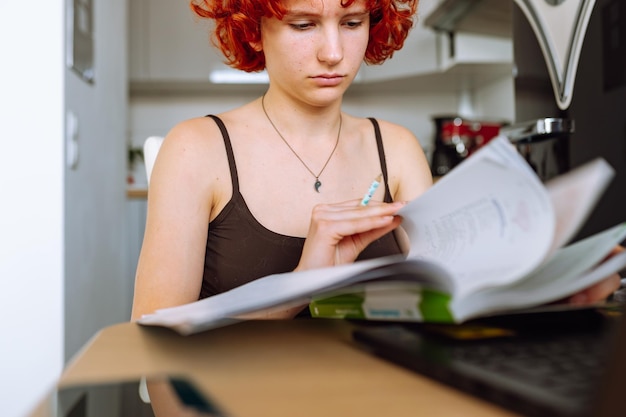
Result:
<point x="301" y="25"/>
<point x="353" y="23"/>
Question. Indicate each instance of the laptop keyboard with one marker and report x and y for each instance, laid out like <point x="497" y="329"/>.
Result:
<point x="567" y="365"/>
<point x="545" y="373"/>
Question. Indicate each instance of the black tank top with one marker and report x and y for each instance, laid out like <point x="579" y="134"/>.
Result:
<point x="239" y="249"/>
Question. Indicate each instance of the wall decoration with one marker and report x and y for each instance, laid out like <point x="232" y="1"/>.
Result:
<point x="80" y="41"/>
<point x="560" y="27"/>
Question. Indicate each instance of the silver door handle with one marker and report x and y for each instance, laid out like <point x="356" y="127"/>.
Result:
<point x="538" y="130"/>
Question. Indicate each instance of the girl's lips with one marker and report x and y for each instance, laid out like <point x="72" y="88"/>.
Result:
<point x="329" y="80"/>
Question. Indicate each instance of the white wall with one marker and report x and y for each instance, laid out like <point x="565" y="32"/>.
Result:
<point x="31" y="209"/>
<point x="63" y="251"/>
<point x="494" y="101"/>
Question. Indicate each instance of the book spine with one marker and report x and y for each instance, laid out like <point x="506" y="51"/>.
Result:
<point x="345" y="306"/>
<point x="422" y="306"/>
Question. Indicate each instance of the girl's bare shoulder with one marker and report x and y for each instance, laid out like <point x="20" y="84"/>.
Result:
<point x="199" y="134"/>
<point x="193" y="154"/>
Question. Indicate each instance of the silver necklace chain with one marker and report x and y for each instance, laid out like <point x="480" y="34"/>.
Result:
<point x="317" y="183"/>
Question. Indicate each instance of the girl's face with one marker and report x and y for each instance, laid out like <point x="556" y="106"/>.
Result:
<point x="316" y="50"/>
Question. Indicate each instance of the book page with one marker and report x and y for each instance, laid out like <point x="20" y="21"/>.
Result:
<point x="287" y="288"/>
<point x="572" y="269"/>
<point x="489" y="221"/>
<point x="574" y="196"/>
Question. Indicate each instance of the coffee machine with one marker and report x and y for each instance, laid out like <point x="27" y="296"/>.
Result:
<point x="542" y="142"/>
<point x="456" y="138"/>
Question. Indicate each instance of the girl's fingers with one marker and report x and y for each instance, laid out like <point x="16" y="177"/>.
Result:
<point x="337" y="226"/>
<point x="602" y="289"/>
<point x="346" y="228"/>
<point x="597" y="292"/>
<point x="347" y="210"/>
<point x="330" y="224"/>
<point x="347" y="252"/>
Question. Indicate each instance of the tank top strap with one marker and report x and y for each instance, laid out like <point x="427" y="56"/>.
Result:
<point x="229" y="152"/>
<point x="381" y="155"/>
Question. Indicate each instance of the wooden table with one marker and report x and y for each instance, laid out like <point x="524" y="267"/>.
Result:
<point x="303" y="367"/>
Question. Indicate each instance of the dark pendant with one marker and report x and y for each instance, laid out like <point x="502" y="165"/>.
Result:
<point x="317" y="185"/>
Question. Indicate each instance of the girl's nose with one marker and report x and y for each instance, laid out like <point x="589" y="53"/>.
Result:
<point x="331" y="47"/>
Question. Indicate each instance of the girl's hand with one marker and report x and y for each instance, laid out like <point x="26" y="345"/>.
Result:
<point x="599" y="291"/>
<point x="339" y="232"/>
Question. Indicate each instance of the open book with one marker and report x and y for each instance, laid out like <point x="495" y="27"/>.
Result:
<point x="487" y="238"/>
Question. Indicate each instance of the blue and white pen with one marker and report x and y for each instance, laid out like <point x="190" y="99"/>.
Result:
<point x="368" y="196"/>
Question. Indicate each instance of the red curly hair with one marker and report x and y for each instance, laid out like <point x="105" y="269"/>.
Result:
<point x="237" y="24"/>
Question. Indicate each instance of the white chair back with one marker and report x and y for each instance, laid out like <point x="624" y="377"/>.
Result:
<point x="151" y="148"/>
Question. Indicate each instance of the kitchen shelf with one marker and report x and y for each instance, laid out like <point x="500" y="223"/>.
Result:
<point x="485" y="17"/>
<point x="457" y="78"/>
<point x="189" y="88"/>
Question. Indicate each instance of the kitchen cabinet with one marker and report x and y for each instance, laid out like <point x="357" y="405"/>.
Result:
<point x="450" y="36"/>
<point x="485" y="17"/>
<point x="168" y="45"/>
<point x="170" y="52"/>
<point x="417" y="57"/>
<point x="463" y="48"/>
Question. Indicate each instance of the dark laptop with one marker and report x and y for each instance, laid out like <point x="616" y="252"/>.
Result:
<point x="556" y="363"/>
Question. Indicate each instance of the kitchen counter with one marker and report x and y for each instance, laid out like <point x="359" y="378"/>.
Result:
<point x="137" y="192"/>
